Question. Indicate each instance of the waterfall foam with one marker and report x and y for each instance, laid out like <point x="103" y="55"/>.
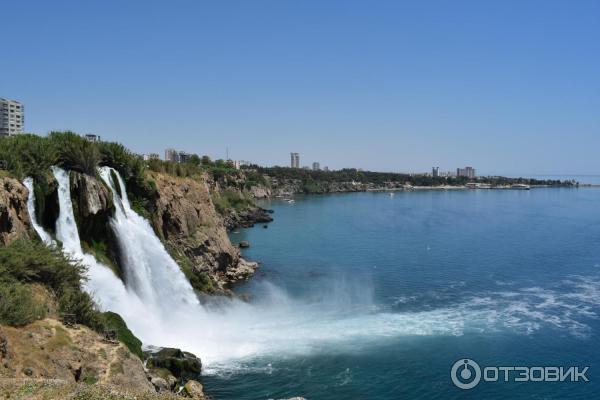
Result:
<point x="45" y="236"/>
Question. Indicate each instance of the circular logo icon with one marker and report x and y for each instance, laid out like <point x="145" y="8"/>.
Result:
<point x="465" y="374"/>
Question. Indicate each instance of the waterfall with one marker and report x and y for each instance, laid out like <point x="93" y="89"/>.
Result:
<point x="107" y="290"/>
<point x="161" y="308"/>
<point x="45" y="236"/>
<point x="149" y="269"/>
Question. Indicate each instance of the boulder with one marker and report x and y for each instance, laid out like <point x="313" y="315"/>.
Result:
<point x="160" y="384"/>
<point x="182" y="365"/>
<point x="243" y="270"/>
<point x="193" y="389"/>
<point x="244" y="244"/>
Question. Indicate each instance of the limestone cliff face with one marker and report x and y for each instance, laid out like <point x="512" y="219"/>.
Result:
<point x="185" y="217"/>
<point x="48" y="349"/>
<point x="14" y="218"/>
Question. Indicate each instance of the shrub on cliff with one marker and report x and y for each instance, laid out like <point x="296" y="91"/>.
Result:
<point x="31" y="155"/>
<point x="25" y="262"/>
<point x="30" y="262"/>
<point x="231" y="199"/>
<point x="18" y="306"/>
<point x="26" y="155"/>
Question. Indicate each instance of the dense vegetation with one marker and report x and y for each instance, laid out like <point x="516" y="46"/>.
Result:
<point x="25" y="264"/>
<point x="193" y="167"/>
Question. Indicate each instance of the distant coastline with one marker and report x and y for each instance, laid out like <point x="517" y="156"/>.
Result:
<point x="279" y="182"/>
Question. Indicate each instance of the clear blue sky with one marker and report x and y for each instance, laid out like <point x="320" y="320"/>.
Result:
<point x="506" y="86"/>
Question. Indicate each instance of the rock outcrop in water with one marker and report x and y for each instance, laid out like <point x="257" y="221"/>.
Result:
<point x="169" y="367"/>
<point x="14" y="219"/>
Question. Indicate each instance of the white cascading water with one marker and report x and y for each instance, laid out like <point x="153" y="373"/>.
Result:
<point x="104" y="286"/>
<point x="45" y="236"/>
<point x="149" y="269"/>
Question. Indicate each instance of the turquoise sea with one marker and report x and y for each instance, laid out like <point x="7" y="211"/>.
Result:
<point x="395" y="289"/>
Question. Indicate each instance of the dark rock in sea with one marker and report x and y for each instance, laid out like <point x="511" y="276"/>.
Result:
<point x="265" y="226"/>
<point x="182" y="365"/>
<point x="270" y="211"/>
<point x="246" y="218"/>
<point x="244" y="244"/>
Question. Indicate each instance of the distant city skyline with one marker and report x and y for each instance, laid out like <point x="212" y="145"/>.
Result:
<point x="510" y="87"/>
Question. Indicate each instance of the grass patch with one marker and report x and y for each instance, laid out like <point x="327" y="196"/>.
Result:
<point x="60" y="340"/>
<point x="117" y="368"/>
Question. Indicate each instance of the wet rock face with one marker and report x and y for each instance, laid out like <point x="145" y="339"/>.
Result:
<point x="14" y="218"/>
<point x="93" y="206"/>
<point x="91" y="195"/>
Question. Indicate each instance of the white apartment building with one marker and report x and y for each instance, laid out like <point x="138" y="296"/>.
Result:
<point x="12" y="117"/>
<point x="295" y="158"/>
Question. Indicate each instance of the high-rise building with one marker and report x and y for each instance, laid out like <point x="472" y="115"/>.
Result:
<point x="468" y="172"/>
<point x="171" y="155"/>
<point x="316" y="166"/>
<point x="295" y="158"/>
<point x="326" y="168"/>
<point x="12" y="117"/>
<point x="435" y="172"/>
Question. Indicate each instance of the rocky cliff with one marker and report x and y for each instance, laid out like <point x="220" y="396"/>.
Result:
<point x="14" y="218"/>
<point x="185" y="217"/>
